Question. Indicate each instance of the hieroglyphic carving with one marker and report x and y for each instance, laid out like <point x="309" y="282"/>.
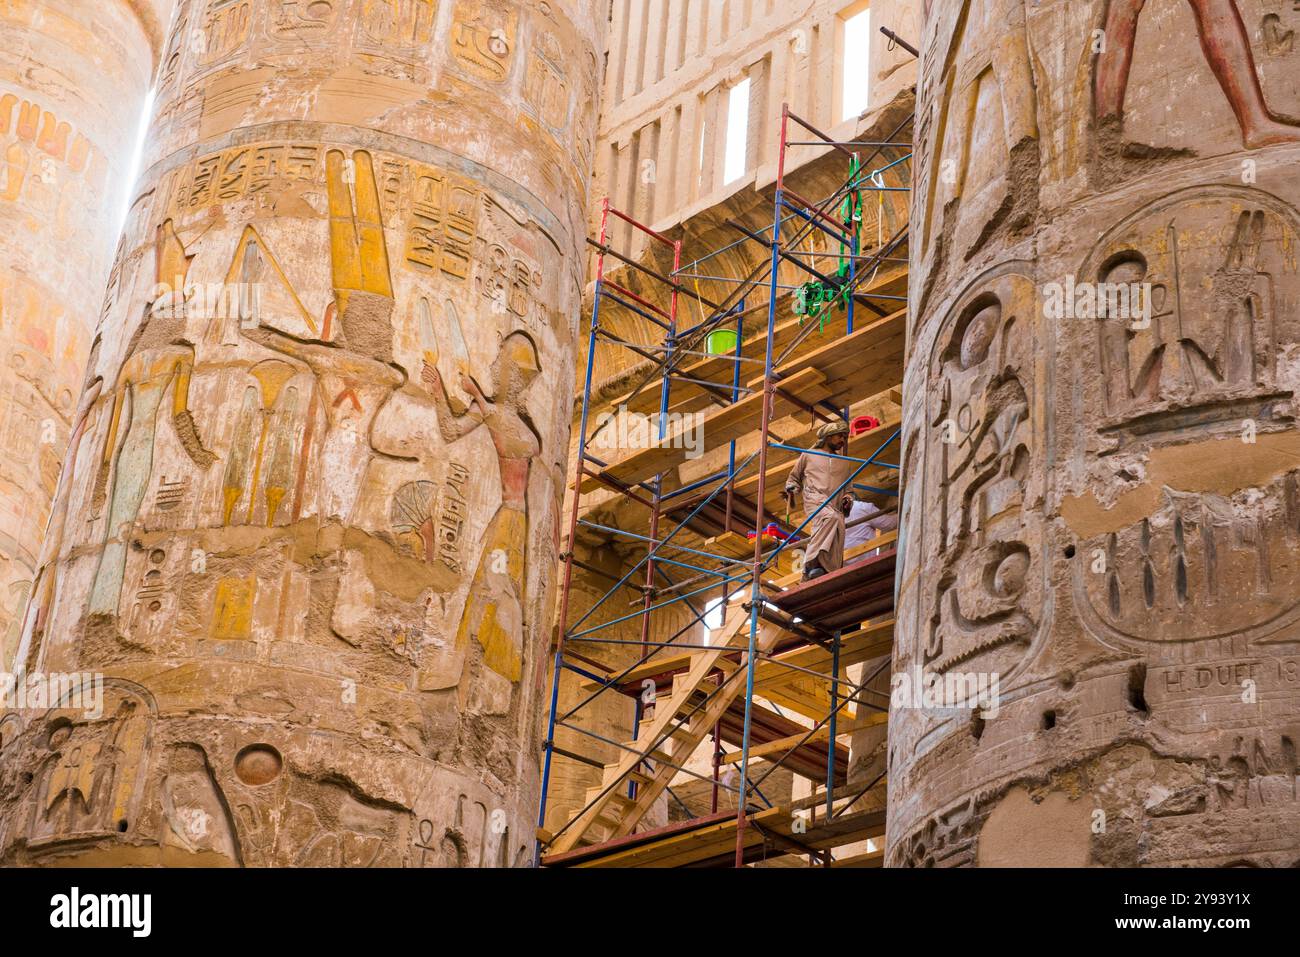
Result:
<point x="1220" y="265"/>
<point x="1213" y="337"/>
<point x="232" y="609"/>
<point x="245" y="171"/>
<point x="508" y="282"/>
<point x="1278" y="40"/>
<point x="483" y="38"/>
<point x="303" y="21"/>
<point x="452" y="511"/>
<point x="278" y="559"/>
<point x="983" y="537"/>
<point x="546" y="88"/>
<point x="395" y="27"/>
<point x="443" y="226"/>
<point x="1173" y="577"/>
<point x="92" y="782"/>
<point x="226" y="29"/>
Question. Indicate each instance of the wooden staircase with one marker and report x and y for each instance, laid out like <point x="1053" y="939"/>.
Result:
<point x="665" y="740"/>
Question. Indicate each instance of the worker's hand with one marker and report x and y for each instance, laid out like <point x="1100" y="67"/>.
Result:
<point x="846" y="505"/>
<point x="789" y="494"/>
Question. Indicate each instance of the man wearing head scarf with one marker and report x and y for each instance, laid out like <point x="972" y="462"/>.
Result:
<point x="819" y="477"/>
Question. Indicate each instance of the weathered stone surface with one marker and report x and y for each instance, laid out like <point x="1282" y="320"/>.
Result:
<point x="73" y="78"/>
<point x="1100" y="510"/>
<point x="321" y="450"/>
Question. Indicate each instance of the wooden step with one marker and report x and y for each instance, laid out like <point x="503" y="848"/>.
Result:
<point x="653" y="734"/>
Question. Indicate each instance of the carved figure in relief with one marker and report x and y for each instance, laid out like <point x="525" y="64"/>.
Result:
<point x="355" y="372"/>
<point x="93" y="779"/>
<point x="494" y="612"/>
<point x="158" y="359"/>
<point x="1225" y="42"/>
<point x="986" y="127"/>
<point x="45" y="587"/>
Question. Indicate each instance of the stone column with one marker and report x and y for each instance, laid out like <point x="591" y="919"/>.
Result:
<point x="1102" y="508"/>
<point x="73" y="78"/>
<point x="311" y="521"/>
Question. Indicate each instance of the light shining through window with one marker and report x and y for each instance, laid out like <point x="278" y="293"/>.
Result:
<point x="855" y="91"/>
<point x="737" y="132"/>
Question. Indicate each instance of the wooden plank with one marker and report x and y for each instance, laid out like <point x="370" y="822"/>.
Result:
<point x="718" y="429"/>
<point x="700" y="667"/>
<point x="841" y="360"/>
<point x="778" y="747"/>
<point x="845" y="829"/>
<point x="869" y="859"/>
<point x="693" y="846"/>
<point x="688" y="397"/>
<point x="855" y="647"/>
<point x="883" y="540"/>
<point x="846" y="351"/>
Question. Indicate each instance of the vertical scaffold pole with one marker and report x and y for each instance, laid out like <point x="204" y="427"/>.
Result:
<point x="756" y="587"/>
<point x="835" y="708"/>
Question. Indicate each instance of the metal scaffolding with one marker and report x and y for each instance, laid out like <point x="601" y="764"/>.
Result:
<point x="810" y="626"/>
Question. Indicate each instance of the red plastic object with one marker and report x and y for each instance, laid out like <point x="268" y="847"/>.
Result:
<point x="863" y="423"/>
<point x="774" y="530"/>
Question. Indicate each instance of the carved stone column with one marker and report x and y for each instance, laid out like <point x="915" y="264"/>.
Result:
<point x="73" y="78"/>
<point x="1102" y="508"/>
<point x="311" y="523"/>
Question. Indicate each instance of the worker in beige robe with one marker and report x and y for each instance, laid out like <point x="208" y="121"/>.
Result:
<point x="818" y="477"/>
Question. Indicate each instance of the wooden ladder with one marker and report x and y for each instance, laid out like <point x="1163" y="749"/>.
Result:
<point x="663" y="742"/>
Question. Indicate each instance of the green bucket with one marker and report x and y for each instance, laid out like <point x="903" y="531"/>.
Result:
<point x="721" y="342"/>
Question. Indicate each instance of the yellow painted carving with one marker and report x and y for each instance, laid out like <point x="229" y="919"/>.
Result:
<point x="232" y="609"/>
<point x="357" y="251"/>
